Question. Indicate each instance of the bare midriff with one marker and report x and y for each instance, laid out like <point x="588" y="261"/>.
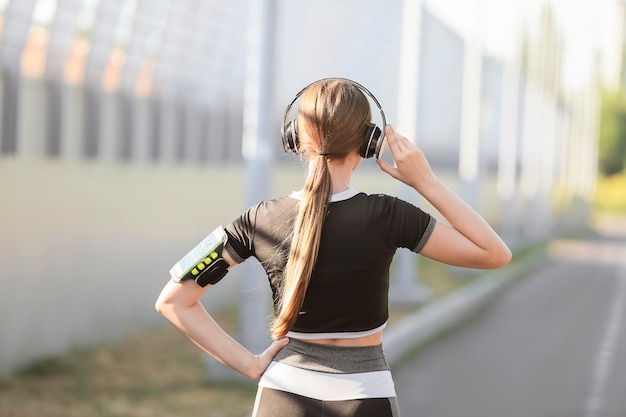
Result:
<point x="371" y="340"/>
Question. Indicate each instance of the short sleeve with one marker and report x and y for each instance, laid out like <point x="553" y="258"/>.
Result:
<point x="426" y="235"/>
<point x="410" y="226"/>
<point x="241" y="235"/>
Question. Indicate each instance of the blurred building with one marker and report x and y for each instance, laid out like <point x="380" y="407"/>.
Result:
<point x="130" y="71"/>
<point x="162" y="80"/>
<point x="615" y="58"/>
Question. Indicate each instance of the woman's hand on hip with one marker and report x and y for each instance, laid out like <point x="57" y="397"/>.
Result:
<point x="264" y="359"/>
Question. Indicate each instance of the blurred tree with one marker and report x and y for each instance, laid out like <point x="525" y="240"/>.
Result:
<point x="612" y="150"/>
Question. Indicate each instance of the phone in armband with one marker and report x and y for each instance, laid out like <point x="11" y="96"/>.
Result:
<point x="204" y="263"/>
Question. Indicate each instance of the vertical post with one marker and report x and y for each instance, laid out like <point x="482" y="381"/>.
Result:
<point x="590" y="131"/>
<point x="507" y="152"/>
<point x="538" y="169"/>
<point x="110" y="126"/>
<point x="256" y="149"/>
<point x="193" y="132"/>
<point x="469" y="149"/>
<point x="549" y="74"/>
<point x="170" y="128"/>
<point x="73" y="125"/>
<point x="470" y="161"/>
<point x="3" y="88"/>
<point x="529" y="170"/>
<point x="143" y="129"/>
<point x="405" y="287"/>
<point x="578" y="154"/>
<point x="31" y="117"/>
<point x="32" y="112"/>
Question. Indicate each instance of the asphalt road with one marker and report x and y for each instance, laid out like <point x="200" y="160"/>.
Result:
<point x="553" y="345"/>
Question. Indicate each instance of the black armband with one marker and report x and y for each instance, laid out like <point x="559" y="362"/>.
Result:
<point x="204" y="263"/>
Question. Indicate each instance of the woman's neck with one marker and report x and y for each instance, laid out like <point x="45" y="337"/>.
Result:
<point x="341" y="172"/>
<point x="340" y="181"/>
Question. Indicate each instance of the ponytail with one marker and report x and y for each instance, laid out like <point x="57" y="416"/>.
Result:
<point x="304" y="246"/>
<point x="332" y="117"/>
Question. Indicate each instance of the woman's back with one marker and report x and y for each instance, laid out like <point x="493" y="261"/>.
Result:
<point x="347" y="291"/>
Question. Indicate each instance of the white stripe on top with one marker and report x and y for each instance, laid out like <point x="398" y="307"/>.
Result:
<point x="344" y="195"/>
<point x="327" y="386"/>
<point x="336" y="335"/>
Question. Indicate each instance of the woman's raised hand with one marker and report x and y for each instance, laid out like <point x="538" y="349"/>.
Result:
<point x="468" y="240"/>
<point x="411" y="166"/>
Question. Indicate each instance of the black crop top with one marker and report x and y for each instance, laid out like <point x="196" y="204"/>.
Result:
<point x="348" y="289"/>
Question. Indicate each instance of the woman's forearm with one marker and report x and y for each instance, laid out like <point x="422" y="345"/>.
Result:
<point x="196" y="323"/>
<point x="468" y="240"/>
<point x="179" y="303"/>
<point x="461" y="216"/>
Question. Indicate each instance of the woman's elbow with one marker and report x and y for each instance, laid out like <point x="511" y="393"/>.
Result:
<point x="164" y="303"/>
<point x="160" y="306"/>
<point x="499" y="258"/>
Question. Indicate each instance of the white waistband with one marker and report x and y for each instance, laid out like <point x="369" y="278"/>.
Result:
<point x="327" y="386"/>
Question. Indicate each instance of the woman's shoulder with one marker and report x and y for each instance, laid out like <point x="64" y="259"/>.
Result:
<point x="372" y="204"/>
<point x="387" y="204"/>
<point x="276" y="205"/>
<point x="379" y="198"/>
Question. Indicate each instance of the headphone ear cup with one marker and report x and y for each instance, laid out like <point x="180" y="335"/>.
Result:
<point x="290" y="137"/>
<point x="369" y="147"/>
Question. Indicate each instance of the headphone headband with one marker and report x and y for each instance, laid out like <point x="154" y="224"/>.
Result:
<point x="375" y="136"/>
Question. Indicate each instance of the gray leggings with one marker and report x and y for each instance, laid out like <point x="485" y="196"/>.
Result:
<point x="278" y="396"/>
<point x="275" y="403"/>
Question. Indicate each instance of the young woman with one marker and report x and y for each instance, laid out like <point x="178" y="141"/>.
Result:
<point x="326" y="250"/>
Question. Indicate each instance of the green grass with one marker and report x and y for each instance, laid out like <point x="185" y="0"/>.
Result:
<point x="153" y="373"/>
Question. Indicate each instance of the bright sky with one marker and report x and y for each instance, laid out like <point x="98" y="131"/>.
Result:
<point x="586" y="25"/>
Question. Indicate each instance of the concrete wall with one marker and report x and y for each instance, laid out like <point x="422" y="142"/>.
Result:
<point x="85" y="248"/>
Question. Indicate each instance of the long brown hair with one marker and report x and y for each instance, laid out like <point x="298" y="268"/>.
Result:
<point x="332" y="118"/>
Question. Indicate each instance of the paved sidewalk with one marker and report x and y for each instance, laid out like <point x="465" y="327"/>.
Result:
<point x="552" y="345"/>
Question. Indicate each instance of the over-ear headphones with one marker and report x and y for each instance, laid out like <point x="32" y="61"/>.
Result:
<point x="374" y="136"/>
